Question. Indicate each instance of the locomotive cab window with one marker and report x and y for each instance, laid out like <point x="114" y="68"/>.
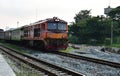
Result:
<point x="36" y="32"/>
<point x="52" y="26"/>
<point x="61" y="26"/>
<point x="56" y="26"/>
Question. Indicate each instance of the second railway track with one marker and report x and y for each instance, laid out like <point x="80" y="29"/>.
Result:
<point x="46" y="67"/>
<point x="95" y="60"/>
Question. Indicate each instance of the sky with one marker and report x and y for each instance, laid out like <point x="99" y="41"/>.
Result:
<point x="16" y="13"/>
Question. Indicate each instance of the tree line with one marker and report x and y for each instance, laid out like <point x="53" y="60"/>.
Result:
<point x="89" y="29"/>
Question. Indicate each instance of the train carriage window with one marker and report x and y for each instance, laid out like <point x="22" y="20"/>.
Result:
<point x="26" y="33"/>
<point x="36" y="32"/>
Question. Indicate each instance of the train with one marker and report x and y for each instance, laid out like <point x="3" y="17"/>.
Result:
<point x="1" y="34"/>
<point x="47" y="34"/>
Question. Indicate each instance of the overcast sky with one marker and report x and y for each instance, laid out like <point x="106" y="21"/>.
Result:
<point x="29" y="11"/>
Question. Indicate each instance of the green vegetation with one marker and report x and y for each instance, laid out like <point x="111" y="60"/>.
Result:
<point x="114" y="45"/>
<point x="1" y="41"/>
<point x="17" y="48"/>
<point x="95" y="30"/>
<point x="67" y="50"/>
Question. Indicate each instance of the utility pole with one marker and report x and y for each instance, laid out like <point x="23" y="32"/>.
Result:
<point x="111" y="40"/>
<point x="106" y="11"/>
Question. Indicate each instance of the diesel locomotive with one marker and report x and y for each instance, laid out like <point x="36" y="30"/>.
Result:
<point x="48" y="34"/>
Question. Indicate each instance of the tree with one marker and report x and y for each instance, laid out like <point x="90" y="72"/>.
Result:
<point x="83" y="14"/>
<point x="96" y="30"/>
<point x="88" y="29"/>
<point x="115" y="13"/>
<point x="78" y="28"/>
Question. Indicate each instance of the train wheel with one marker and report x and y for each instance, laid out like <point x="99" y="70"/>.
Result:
<point x="42" y="45"/>
<point x="39" y="45"/>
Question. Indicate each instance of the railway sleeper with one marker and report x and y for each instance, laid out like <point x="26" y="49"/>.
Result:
<point x="44" y="67"/>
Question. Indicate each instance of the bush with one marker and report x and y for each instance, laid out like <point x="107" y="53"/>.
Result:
<point x="107" y="41"/>
<point x="73" y="39"/>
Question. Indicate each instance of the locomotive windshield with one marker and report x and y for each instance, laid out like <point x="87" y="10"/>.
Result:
<point x="52" y="26"/>
<point x="56" y="26"/>
<point x="61" y="26"/>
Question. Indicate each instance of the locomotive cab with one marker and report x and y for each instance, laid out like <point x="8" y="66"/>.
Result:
<point x="57" y="35"/>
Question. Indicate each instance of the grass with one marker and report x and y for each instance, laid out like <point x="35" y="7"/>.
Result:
<point x="114" y="45"/>
<point x="69" y="49"/>
<point x="17" y="48"/>
<point x="109" y="45"/>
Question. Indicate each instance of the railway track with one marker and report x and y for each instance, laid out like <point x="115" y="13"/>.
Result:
<point x="99" y="61"/>
<point x="46" y="67"/>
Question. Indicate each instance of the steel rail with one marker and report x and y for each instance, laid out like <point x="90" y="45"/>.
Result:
<point x="36" y="63"/>
<point x="95" y="60"/>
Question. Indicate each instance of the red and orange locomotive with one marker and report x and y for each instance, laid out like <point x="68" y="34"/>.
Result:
<point x="50" y="34"/>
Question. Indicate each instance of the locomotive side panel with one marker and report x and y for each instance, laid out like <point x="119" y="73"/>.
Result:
<point x="35" y="32"/>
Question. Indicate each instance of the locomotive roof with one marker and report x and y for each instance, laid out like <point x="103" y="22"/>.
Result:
<point x="54" y="19"/>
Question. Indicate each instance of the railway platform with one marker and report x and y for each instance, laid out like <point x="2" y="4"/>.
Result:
<point x="5" y="69"/>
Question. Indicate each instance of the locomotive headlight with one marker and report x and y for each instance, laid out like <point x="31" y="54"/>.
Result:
<point x="57" y="20"/>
